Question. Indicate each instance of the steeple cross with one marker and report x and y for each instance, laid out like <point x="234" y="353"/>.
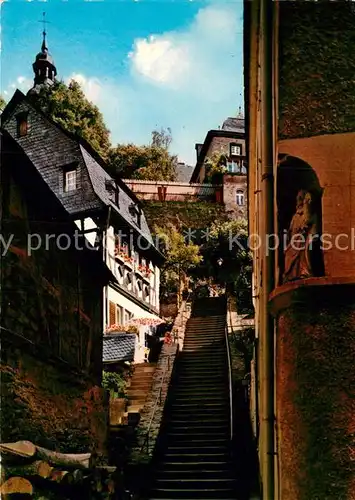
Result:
<point x="43" y="20"/>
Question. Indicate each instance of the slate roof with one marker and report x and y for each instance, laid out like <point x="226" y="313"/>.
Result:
<point x="98" y="177"/>
<point x="234" y="124"/>
<point x="183" y="172"/>
<point x="119" y="347"/>
<point x="50" y="147"/>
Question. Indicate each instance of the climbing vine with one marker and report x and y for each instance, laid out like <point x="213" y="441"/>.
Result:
<point x="323" y="347"/>
<point x="316" y="67"/>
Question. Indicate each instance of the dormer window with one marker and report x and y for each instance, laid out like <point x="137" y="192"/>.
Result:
<point x="113" y="190"/>
<point x="22" y="124"/>
<point x="235" y="150"/>
<point x="136" y="212"/>
<point x="70" y="180"/>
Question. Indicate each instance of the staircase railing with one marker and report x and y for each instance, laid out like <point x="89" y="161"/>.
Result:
<point x="229" y="370"/>
<point x="156" y="404"/>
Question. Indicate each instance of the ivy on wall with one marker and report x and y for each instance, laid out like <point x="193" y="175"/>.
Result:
<point x="56" y="415"/>
<point x="320" y="346"/>
<point x="193" y="215"/>
<point x="316" y="68"/>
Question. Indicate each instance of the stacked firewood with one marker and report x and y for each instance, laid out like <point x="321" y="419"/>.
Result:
<point x="34" y="472"/>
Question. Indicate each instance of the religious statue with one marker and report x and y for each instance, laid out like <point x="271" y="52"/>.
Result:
<point x="301" y="235"/>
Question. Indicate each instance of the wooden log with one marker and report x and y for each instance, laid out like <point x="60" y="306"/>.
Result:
<point x="38" y="468"/>
<point x="78" y="476"/>
<point x="20" y="449"/>
<point x="67" y="460"/>
<point x="16" y="485"/>
<point x="27" y="450"/>
<point x="61" y="476"/>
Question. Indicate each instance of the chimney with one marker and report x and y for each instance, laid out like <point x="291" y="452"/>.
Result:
<point x="198" y="148"/>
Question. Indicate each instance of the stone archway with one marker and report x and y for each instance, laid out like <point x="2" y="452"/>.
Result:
<point x="294" y="175"/>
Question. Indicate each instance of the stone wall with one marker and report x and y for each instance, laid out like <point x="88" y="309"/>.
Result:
<point x="45" y="402"/>
<point x="152" y="413"/>
<point x="51" y="336"/>
<point x="180" y="323"/>
<point x="315" y="395"/>
<point x="199" y="215"/>
<point x="174" y="191"/>
<point x="222" y="144"/>
<point x="231" y="184"/>
<point x="154" y="406"/>
<point x="316" y="68"/>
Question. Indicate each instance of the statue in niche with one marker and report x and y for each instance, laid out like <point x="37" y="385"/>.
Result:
<point x="301" y="237"/>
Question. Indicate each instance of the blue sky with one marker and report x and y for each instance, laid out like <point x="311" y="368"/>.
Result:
<point x="145" y="64"/>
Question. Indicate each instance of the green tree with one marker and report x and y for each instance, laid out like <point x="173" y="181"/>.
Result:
<point x="2" y="103"/>
<point x="181" y="257"/>
<point x="68" y="106"/>
<point x="216" y="166"/>
<point x="150" y="162"/>
<point x="227" y="258"/>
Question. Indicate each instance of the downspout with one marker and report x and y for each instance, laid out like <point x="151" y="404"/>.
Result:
<point x="275" y="97"/>
<point x="104" y="250"/>
<point x="267" y="195"/>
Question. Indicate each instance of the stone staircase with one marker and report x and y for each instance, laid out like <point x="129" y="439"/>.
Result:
<point x="193" y="458"/>
<point x="139" y="387"/>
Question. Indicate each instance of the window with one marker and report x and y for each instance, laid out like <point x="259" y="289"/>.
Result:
<point x="232" y="167"/>
<point x="70" y="181"/>
<point x="115" y="314"/>
<point x="22" y="124"/>
<point x="136" y="213"/>
<point x="235" y="150"/>
<point x="113" y="190"/>
<point x="240" y="197"/>
<point x="127" y="317"/>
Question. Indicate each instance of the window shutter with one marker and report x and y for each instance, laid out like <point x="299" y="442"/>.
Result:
<point x="112" y="313"/>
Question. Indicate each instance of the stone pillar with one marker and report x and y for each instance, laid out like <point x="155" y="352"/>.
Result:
<point x="315" y="388"/>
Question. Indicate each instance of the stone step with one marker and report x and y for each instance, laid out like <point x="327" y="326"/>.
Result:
<point x="196" y="482"/>
<point x="144" y="369"/>
<point x="140" y="386"/>
<point x="136" y="394"/>
<point x="194" y="466"/>
<point x="199" y="389"/>
<point x="193" y="494"/>
<point x="192" y="474"/>
<point x="134" y="408"/>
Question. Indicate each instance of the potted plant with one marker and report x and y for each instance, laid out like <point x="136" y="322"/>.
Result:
<point x="116" y="328"/>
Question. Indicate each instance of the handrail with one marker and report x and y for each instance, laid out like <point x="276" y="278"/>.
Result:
<point x="158" y="399"/>
<point x="229" y="374"/>
<point x="166" y="368"/>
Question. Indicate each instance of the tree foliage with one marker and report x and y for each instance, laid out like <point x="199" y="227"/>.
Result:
<point x="216" y="165"/>
<point x="115" y="383"/>
<point x="2" y="103"/>
<point x="226" y="257"/>
<point x="150" y="162"/>
<point x="181" y="256"/>
<point x="68" y="106"/>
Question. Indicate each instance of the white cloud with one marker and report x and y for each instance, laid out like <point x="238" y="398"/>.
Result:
<point x="92" y="87"/>
<point x="204" y="59"/>
<point x="159" y="60"/>
<point x="189" y="80"/>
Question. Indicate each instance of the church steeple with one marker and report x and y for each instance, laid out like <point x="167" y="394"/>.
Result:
<point x="43" y="67"/>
